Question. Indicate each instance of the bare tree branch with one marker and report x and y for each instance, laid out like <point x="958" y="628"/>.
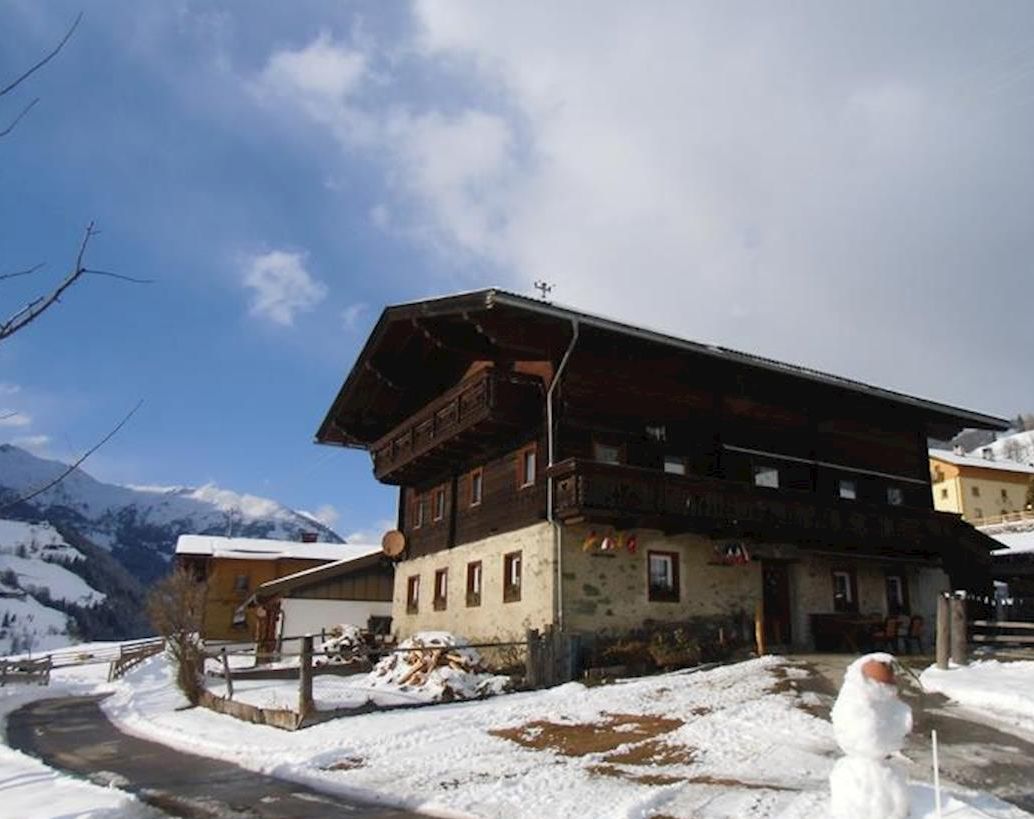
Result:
<point x="122" y="276"/>
<point x="37" y="306"/>
<point x="18" y="118"/>
<point x="24" y="272"/>
<point x="25" y="75"/>
<point x="78" y="462"/>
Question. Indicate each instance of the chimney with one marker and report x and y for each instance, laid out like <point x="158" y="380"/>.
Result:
<point x="310" y="537"/>
<point x="988" y="453"/>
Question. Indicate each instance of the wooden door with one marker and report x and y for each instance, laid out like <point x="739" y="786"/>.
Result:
<point x="775" y="579"/>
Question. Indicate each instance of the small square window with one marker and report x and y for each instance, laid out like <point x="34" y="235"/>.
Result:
<point x="474" y="583"/>
<point x="439" y="504"/>
<point x="975" y="490"/>
<point x="413" y="594"/>
<point x="944" y="493"/>
<point x="663" y="577"/>
<point x="606" y="453"/>
<point x="240" y="583"/>
<point x="476" y="483"/>
<point x="897" y="594"/>
<point x="1005" y="495"/>
<point x="895" y="495"/>
<point x="767" y="476"/>
<point x="978" y="512"/>
<point x="847" y="489"/>
<point x="526" y="464"/>
<point x="441" y="589"/>
<point x="674" y="464"/>
<point x="511" y="577"/>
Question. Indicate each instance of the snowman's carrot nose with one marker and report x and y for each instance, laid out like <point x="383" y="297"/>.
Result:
<point x="880" y="672"/>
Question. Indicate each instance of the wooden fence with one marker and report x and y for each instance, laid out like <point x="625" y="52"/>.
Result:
<point x="958" y="630"/>
<point x="120" y="657"/>
<point x="132" y="655"/>
<point x="27" y="671"/>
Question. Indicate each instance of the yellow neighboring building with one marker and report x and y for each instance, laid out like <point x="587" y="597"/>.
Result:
<point x="981" y="489"/>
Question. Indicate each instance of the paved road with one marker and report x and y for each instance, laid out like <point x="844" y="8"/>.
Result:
<point x="73" y="734"/>
<point x="972" y="750"/>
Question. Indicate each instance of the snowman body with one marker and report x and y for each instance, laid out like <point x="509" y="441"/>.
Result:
<point x="870" y="723"/>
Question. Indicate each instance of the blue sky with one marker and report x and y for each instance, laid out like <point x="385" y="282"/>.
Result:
<point x="850" y="191"/>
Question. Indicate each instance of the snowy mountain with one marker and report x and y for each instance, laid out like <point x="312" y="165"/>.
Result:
<point x="1019" y="447"/>
<point x="139" y="525"/>
<point x="36" y="577"/>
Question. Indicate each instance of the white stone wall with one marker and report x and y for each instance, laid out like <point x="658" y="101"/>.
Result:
<point x="493" y="619"/>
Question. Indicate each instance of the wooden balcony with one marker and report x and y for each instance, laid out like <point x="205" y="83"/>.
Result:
<point x="645" y="498"/>
<point x="457" y="425"/>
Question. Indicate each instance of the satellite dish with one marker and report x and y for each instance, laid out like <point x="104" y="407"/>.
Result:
<point x="393" y="544"/>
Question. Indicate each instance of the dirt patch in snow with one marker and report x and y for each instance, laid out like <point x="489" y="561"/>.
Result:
<point x="581" y="739"/>
<point x="725" y="782"/>
<point x="653" y="752"/>
<point x="642" y="779"/>
<point x="349" y="763"/>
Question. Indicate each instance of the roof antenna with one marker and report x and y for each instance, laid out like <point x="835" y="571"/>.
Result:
<point x="544" y="289"/>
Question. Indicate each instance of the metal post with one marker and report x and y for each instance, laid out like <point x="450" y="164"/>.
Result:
<point x="959" y="638"/>
<point x="943" y="632"/>
<point x="305" y="703"/>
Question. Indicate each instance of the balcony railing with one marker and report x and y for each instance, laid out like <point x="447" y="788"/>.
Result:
<point x="648" y="498"/>
<point x="442" y="429"/>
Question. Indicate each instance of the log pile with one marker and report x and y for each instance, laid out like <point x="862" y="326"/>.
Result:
<point x="345" y="644"/>
<point x="437" y="664"/>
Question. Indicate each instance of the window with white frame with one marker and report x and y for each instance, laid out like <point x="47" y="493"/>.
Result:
<point x="674" y="464"/>
<point x="663" y="576"/>
<point x="847" y="489"/>
<point x="766" y="475"/>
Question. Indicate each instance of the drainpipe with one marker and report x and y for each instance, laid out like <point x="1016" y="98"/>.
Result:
<point x="558" y="598"/>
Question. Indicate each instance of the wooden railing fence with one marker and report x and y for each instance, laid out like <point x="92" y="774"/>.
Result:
<point x="958" y="630"/>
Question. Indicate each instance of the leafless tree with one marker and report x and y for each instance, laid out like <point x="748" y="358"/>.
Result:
<point x="176" y="607"/>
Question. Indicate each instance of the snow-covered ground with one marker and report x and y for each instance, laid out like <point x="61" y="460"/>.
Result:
<point x="1005" y="689"/>
<point x="730" y="742"/>
<point x="31" y="790"/>
<point x="734" y="741"/>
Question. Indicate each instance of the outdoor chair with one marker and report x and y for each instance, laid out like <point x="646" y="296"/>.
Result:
<point x="887" y="635"/>
<point x="914" y="635"/>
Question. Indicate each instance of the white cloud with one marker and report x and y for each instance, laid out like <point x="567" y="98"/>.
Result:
<point x="326" y="514"/>
<point x="370" y="534"/>
<point x="350" y="315"/>
<point x="319" y="74"/>
<point x="6" y="388"/>
<point x="281" y="286"/>
<point x="12" y="418"/>
<point x="37" y="444"/>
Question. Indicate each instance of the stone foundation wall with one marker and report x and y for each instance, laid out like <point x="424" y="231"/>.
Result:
<point x="493" y="619"/>
<point x="607" y="592"/>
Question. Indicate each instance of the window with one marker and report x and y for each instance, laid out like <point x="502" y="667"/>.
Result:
<point x="413" y="594"/>
<point x="674" y="465"/>
<point x="847" y="489"/>
<point x="476" y="481"/>
<point x="1005" y="495"/>
<point x="441" y="589"/>
<point x="663" y="569"/>
<point x="845" y="597"/>
<point x="240" y="583"/>
<point x="526" y="467"/>
<point x="978" y="512"/>
<point x="438" y="509"/>
<point x="511" y="577"/>
<point x="474" y="583"/>
<point x="975" y="490"/>
<point x="657" y="433"/>
<point x="420" y="513"/>
<point x="766" y="475"/>
<point x="897" y="594"/>
<point x="606" y="453"/>
<point x="944" y="493"/>
<point x="896" y="495"/>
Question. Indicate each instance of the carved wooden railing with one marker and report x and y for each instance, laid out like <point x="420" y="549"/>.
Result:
<point x="648" y="497"/>
<point x="489" y="395"/>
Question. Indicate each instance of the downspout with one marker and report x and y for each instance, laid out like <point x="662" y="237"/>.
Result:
<point x="558" y="598"/>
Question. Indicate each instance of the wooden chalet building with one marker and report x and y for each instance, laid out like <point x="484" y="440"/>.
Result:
<point x="560" y="468"/>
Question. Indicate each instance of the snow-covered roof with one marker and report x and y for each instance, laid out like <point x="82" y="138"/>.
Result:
<point x="950" y="457"/>
<point x="319" y="573"/>
<point x="247" y="548"/>
<point x="1015" y="543"/>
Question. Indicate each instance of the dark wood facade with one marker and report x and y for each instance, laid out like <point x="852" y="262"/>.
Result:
<point x="649" y="431"/>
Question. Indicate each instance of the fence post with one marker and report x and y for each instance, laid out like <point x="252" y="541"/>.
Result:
<point x="959" y="638"/>
<point x="305" y="704"/>
<point x="227" y="675"/>
<point x="532" y="659"/>
<point x="943" y="631"/>
<point x="3" y="673"/>
<point x="759" y="627"/>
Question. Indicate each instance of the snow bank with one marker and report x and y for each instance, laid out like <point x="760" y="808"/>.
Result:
<point x="1004" y="688"/>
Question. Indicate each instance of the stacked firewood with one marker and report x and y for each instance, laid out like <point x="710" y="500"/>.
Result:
<point x="417" y="658"/>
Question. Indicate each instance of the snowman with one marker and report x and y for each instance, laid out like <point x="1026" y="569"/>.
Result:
<point x="870" y="723"/>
